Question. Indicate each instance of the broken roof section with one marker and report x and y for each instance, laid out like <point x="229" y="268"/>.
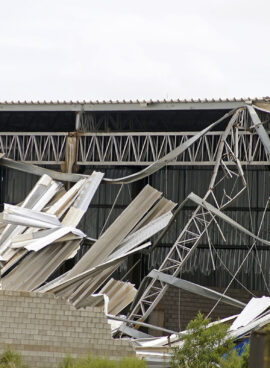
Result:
<point x="40" y="234"/>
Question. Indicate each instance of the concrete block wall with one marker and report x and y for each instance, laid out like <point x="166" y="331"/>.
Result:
<point x="179" y="307"/>
<point x="45" y="329"/>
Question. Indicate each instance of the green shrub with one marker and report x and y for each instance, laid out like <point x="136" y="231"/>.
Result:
<point x="203" y="346"/>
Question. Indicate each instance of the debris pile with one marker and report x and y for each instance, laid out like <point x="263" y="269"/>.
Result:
<point x="41" y="234"/>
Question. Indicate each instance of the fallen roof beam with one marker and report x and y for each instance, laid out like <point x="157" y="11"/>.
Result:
<point x="262" y="107"/>
<point x="116" y="318"/>
<point x="37" y="170"/>
<point x="133" y="332"/>
<point x="171" y="156"/>
<point x="194" y="288"/>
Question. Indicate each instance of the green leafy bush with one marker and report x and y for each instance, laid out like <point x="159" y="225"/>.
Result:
<point x="98" y="362"/>
<point x="204" y="347"/>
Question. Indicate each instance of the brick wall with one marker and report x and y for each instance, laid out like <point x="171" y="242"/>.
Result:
<point x="45" y="329"/>
<point x="179" y="306"/>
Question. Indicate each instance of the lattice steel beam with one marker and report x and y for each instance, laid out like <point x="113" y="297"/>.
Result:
<point x="138" y="149"/>
<point x="198" y="224"/>
<point x="40" y="148"/>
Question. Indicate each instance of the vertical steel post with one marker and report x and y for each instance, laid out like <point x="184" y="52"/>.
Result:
<point x="260" y="349"/>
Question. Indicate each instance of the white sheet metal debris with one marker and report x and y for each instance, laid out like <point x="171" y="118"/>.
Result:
<point x="253" y="309"/>
<point x="36" y="243"/>
<point x="37" y="199"/>
<point x="120" y="295"/>
<point x="63" y="283"/>
<point x="17" y="215"/>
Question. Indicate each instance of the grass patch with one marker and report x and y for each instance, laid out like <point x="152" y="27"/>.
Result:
<point x="11" y="359"/>
<point x="98" y="362"/>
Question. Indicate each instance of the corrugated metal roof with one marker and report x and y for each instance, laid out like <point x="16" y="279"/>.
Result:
<point x="128" y="105"/>
<point x="97" y="102"/>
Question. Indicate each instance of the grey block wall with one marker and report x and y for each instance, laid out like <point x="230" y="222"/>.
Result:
<point x="45" y="330"/>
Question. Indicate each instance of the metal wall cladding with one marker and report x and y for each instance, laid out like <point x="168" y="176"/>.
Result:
<point x="253" y="274"/>
<point x="15" y="185"/>
<point x="247" y="209"/>
<point x="176" y="183"/>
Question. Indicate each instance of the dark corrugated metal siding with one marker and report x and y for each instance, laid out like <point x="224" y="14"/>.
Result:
<point x="176" y="184"/>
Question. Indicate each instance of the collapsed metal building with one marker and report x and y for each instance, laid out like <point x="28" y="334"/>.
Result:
<point x="218" y="236"/>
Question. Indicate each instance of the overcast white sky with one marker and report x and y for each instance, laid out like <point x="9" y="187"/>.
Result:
<point x="122" y="49"/>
